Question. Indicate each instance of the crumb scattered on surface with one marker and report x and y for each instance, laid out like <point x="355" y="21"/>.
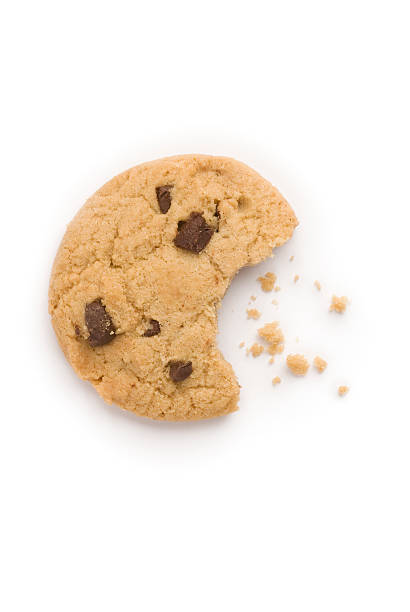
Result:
<point x="276" y="380"/>
<point x="268" y="281"/>
<point x="342" y="390"/>
<point x="338" y="304"/>
<point x="256" y="349"/>
<point x="253" y="298"/>
<point x="242" y="344"/>
<point x="317" y="285"/>
<point x="277" y="288"/>
<point x="297" y="364"/>
<point x="296" y="278"/>
<point x="320" y="364"/>
<point x="275" y="302"/>
<point x="291" y="258"/>
<point x="253" y="313"/>
<point x="271" y="360"/>
<point x="272" y="333"/>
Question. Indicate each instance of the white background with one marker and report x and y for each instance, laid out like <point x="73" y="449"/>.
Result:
<point x="300" y="501"/>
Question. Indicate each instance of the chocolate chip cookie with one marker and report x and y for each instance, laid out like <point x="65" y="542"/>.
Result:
<point x="141" y="271"/>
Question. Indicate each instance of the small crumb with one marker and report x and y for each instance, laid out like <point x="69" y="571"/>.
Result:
<point x="297" y="364"/>
<point x="253" y="313"/>
<point x="277" y="288"/>
<point x="317" y="285"/>
<point x="275" y="302"/>
<point x="242" y="344"/>
<point x="272" y="333"/>
<point x="276" y="380"/>
<point x="291" y="258"/>
<point x="320" y="364"/>
<point x="296" y="278"/>
<point x="342" y="390"/>
<point x="338" y="304"/>
<point x="256" y="350"/>
<point x="268" y="281"/>
<point x="253" y="298"/>
<point x="271" y="360"/>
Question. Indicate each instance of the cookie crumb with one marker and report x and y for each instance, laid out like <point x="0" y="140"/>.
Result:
<point x="291" y="258"/>
<point x="296" y="278"/>
<point x="276" y="381"/>
<point x="277" y="288"/>
<point x="320" y="364"/>
<point x="256" y="350"/>
<point x="275" y="302"/>
<point x="268" y="281"/>
<point x="342" y="390"/>
<point x="253" y="313"/>
<point x="338" y="304"/>
<point x="297" y="364"/>
<point x="253" y="298"/>
<point x="272" y="333"/>
<point x="317" y="285"/>
<point x="242" y="344"/>
<point x="271" y="360"/>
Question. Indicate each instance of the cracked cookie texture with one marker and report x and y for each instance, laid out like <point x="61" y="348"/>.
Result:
<point x="141" y="271"/>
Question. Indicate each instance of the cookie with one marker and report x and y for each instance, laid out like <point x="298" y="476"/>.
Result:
<point x="141" y="272"/>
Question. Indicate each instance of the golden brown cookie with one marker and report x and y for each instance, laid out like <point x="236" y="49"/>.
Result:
<point x="141" y="271"/>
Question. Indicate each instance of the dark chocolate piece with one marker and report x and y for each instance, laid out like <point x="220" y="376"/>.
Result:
<point x="194" y="233"/>
<point x="99" y="324"/>
<point x="153" y="330"/>
<point x="164" y="197"/>
<point x="180" y="370"/>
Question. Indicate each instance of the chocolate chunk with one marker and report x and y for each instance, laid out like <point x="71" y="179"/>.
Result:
<point x="154" y="329"/>
<point x="77" y="331"/>
<point x="99" y="324"/>
<point x="164" y="197"/>
<point x="180" y="370"/>
<point x="194" y="233"/>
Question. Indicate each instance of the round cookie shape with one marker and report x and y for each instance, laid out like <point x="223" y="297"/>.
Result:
<point x="141" y="271"/>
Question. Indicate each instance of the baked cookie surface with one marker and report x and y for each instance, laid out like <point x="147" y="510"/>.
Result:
<point x="141" y="271"/>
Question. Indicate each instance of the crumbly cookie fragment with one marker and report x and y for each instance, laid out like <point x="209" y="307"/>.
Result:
<point x="276" y="381"/>
<point x="342" y="390"/>
<point x="296" y="278"/>
<point x="141" y="271"/>
<point x="297" y="364"/>
<point x="253" y="313"/>
<point x="256" y="349"/>
<point x="338" y="304"/>
<point x="268" y="281"/>
<point x="320" y="364"/>
<point x="272" y="333"/>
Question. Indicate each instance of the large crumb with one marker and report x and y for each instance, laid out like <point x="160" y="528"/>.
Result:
<point x="338" y="303"/>
<point x="297" y="364"/>
<point x="256" y="349"/>
<point x="317" y="285"/>
<point x="342" y="390"/>
<point x="268" y="281"/>
<point x="272" y="333"/>
<point x="320" y="364"/>
<point x="276" y="380"/>
<point x="253" y="313"/>
<point x="296" y="278"/>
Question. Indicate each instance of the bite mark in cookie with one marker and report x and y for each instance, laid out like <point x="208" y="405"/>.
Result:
<point x="193" y="233"/>
<point x="99" y="324"/>
<point x="180" y="370"/>
<point x="164" y="197"/>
